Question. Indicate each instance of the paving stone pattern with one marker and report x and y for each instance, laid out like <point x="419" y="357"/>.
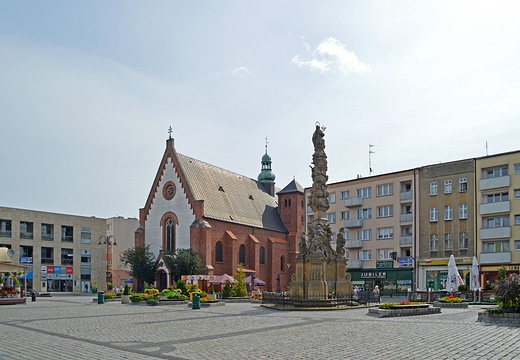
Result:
<point x="74" y="327"/>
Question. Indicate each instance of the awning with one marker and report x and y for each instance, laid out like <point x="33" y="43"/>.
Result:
<point x="129" y="281"/>
<point x="6" y="267"/>
<point x="29" y="276"/>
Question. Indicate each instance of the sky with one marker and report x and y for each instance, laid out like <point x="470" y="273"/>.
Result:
<point x="88" y="91"/>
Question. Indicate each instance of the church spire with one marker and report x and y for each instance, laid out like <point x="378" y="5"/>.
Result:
<point x="267" y="176"/>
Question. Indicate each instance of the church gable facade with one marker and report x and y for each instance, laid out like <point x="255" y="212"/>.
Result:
<point x="226" y="218"/>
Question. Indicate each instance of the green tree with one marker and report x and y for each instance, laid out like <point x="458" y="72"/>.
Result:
<point x="226" y="292"/>
<point x="240" y="284"/>
<point x="141" y="264"/>
<point x="183" y="262"/>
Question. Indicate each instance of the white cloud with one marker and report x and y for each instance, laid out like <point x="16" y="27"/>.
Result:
<point x="334" y="55"/>
<point x="242" y="71"/>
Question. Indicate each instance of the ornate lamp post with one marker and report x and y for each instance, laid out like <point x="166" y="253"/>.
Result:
<point x="109" y="241"/>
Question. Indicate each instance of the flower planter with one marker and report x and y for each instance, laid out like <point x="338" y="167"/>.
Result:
<point x="125" y="299"/>
<point x="418" y="306"/>
<point x="405" y="310"/>
<point x="447" y="305"/>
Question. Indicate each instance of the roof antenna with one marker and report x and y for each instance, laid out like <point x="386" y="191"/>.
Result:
<point x="486" y="149"/>
<point x="370" y="152"/>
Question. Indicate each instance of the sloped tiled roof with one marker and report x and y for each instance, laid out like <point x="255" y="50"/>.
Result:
<point x="229" y="196"/>
<point x="293" y="186"/>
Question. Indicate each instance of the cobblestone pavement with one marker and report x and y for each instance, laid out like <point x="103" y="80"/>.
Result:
<point x="75" y="327"/>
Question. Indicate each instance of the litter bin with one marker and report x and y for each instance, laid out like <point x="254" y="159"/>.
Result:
<point x="33" y="296"/>
<point x="195" y="302"/>
<point x="100" y="297"/>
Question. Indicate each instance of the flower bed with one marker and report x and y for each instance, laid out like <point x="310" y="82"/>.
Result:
<point x="405" y="310"/>
<point x="442" y="304"/>
<point x="511" y="319"/>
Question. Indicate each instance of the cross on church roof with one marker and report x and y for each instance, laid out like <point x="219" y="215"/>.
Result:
<point x="170" y="132"/>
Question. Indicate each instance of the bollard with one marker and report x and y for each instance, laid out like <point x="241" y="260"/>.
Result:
<point x="33" y="296"/>
<point x="195" y="304"/>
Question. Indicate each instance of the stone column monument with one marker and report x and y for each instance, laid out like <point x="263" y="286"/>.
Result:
<point x="320" y="269"/>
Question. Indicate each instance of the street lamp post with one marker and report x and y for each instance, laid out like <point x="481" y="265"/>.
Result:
<point x="109" y="241"/>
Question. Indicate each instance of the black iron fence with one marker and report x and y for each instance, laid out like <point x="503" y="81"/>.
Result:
<point x="285" y="300"/>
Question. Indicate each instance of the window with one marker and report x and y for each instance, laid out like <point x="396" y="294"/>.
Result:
<point x="517" y="244"/>
<point x="345" y="194"/>
<point x="5" y="228"/>
<point x="434" y="242"/>
<point x="433" y="188"/>
<point x="448" y="213"/>
<point x="364" y="255"/>
<point x="333" y="238"/>
<point x="385" y="211"/>
<point x="406" y="231"/>
<point x="517" y="219"/>
<point x="364" y="234"/>
<point x="331" y="218"/>
<point x="287" y="202"/>
<point x="85" y="257"/>
<point x="364" y="213"/>
<point x="47" y="255"/>
<point x="345" y="215"/>
<point x="170" y="234"/>
<point x="218" y="252"/>
<point x="384" y="254"/>
<point x="516" y="168"/>
<point x="463" y="211"/>
<point x="364" y="193"/>
<point x="495" y="197"/>
<point x="434" y="215"/>
<point x="495" y="246"/>
<point x="109" y="226"/>
<point x="447" y="186"/>
<point x="66" y="233"/>
<point x="463" y="241"/>
<point x="242" y="254"/>
<point x="384" y="190"/>
<point x="448" y="241"/>
<point x="332" y="198"/>
<point x="346" y="234"/>
<point x="494" y="172"/>
<point x="494" y="222"/>
<point x="385" y="233"/>
<point x="282" y="264"/>
<point x="463" y="184"/>
<point x="26" y="230"/>
<point x="517" y="193"/>
<point x="47" y="232"/>
<point x="26" y="254"/>
<point x="262" y="255"/>
<point x="85" y="235"/>
<point x="67" y="257"/>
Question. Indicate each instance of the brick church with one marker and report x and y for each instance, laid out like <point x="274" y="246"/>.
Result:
<point x="226" y="218"/>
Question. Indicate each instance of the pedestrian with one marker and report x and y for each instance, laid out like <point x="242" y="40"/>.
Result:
<point x="86" y="287"/>
<point x="377" y="294"/>
<point x="94" y="289"/>
<point x="356" y="292"/>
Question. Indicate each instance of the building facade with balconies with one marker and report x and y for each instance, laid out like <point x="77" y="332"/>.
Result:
<point x="378" y="217"/>
<point x="61" y="251"/>
<point x="498" y="214"/>
<point x="447" y="224"/>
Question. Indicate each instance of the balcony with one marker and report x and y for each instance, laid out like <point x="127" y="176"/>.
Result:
<point x="353" y="202"/>
<point x="495" y="233"/>
<point x="405" y="195"/>
<point x="353" y="223"/>
<point x="355" y="264"/>
<point x="26" y="235"/>
<point x="406" y="217"/>
<point x="495" y="207"/>
<point x="495" y="257"/>
<point x="493" y="183"/>
<point x="354" y="244"/>
<point x="405" y="240"/>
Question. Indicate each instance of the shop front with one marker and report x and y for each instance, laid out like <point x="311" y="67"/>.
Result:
<point x="57" y="279"/>
<point x="433" y="274"/>
<point x="489" y="274"/>
<point x="391" y="281"/>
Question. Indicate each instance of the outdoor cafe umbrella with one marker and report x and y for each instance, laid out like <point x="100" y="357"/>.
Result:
<point x="222" y="279"/>
<point x="258" y="282"/>
<point x="454" y="279"/>
<point x="475" y="281"/>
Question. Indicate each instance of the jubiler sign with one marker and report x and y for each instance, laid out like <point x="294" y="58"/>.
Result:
<point x="373" y="275"/>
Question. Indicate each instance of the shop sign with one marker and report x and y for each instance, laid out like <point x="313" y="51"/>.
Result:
<point x="50" y="269"/>
<point x="57" y="270"/>
<point x="373" y="275"/>
<point x="43" y="269"/>
<point x="26" y="260"/>
<point x="69" y="270"/>
<point x="404" y="282"/>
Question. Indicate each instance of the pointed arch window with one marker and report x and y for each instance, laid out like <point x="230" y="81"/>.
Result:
<point x="282" y="263"/>
<point x="170" y="234"/>
<point x="218" y="252"/>
<point x="242" y="254"/>
<point x="262" y="255"/>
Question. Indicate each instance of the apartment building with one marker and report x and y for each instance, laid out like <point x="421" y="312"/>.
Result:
<point x="498" y="214"/>
<point x="62" y="251"/>
<point x="378" y="217"/>
<point x="447" y="224"/>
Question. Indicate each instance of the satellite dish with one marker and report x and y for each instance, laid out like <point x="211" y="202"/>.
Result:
<point x="10" y="253"/>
